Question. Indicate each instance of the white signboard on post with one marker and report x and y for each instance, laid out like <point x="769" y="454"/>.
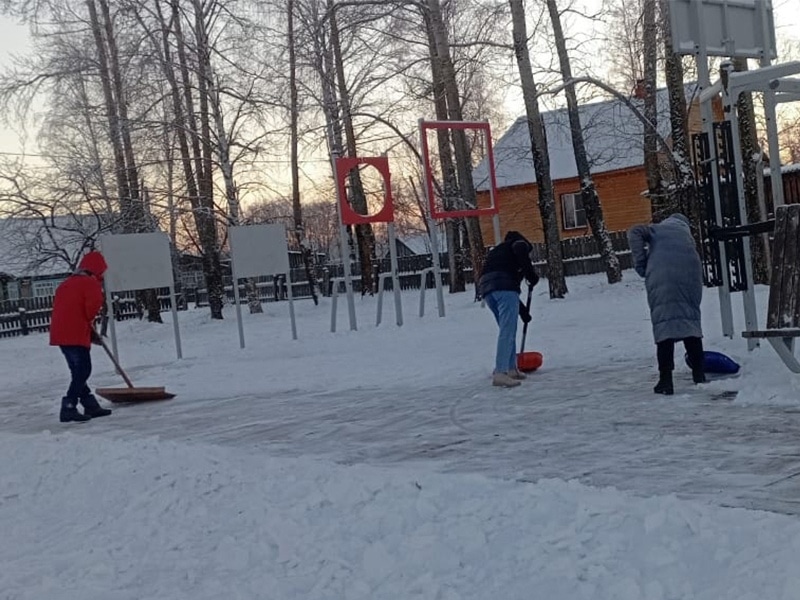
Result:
<point x="258" y="250"/>
<point x="727" y="28"/>
<point x="139" y="261"/>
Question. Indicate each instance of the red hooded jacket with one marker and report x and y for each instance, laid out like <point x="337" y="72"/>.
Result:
<point x="77" y="302"/>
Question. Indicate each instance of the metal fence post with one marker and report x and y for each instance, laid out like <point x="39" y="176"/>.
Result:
<point x="23" y="320"/>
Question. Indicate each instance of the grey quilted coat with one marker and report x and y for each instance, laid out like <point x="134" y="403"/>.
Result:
<point x="665" y="255"/>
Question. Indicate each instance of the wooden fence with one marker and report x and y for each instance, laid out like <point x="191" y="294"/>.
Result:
<point x="581" y="257"/>
<point x="32" y="315"/>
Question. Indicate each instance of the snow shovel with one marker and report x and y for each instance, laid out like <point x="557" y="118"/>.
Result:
<point x="130" y="393"/>
<point x="528" y="361"/>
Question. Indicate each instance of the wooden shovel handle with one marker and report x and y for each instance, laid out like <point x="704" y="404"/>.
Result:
<point x="114" y="360"/>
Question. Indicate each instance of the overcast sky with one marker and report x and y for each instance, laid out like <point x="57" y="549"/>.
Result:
<point x="14" y="39"/>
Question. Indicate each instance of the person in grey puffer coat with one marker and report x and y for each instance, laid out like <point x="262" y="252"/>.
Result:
<point x="665" y="255"/>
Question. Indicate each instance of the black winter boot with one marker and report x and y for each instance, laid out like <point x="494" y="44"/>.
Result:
<point x="69" y="412"/>
<point x="698" y="376"/>
<point x="92" y="407"/>
<point x="664" y="385"/>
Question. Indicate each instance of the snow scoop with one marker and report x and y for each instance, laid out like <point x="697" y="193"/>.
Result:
<point x="130" y="393"/>
<point x="528" y="361"/>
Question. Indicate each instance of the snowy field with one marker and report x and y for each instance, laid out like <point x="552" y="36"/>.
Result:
<point x="381" y="463"/>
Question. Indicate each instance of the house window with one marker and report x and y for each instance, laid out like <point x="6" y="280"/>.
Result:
<point x="42" y="289"/>
<point x="574" y="217"/>
<point x="13" y="290"/>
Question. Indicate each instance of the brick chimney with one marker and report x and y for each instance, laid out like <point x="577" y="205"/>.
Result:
<point x="640" y="91"/>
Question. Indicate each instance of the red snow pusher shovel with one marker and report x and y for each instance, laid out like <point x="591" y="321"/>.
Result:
<point x="130" y="393"/>
<point x="528" y="361"/>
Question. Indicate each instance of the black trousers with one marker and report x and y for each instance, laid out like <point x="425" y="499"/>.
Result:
<point x="666" y="353"/>
<point x="79" y="361"/>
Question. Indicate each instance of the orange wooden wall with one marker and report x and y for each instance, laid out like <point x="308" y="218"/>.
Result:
<point x="620" y="195"/>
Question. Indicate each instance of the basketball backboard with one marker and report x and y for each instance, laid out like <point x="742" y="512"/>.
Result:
<point x="730" y="28"/>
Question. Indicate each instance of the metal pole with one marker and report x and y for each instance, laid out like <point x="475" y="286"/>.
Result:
<point x="748" y="296"/>
<point x="707" y="114"/>
<point x="176" y="329"/>
<point x="398" y="302"/>
<point x="496" y="226"/>
<point x="343" y="248"/>
<point x="290" y="297"/>
<point x="437" y="269"/>
<point x="770" y="116"/>
<point x="112" y="324"/>
<point x="434" y="234"/>
<point x="334" y="303"/>
<point x="236" y="301"/>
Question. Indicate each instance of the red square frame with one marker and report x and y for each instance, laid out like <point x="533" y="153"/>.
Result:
<point x="437" y="214"/>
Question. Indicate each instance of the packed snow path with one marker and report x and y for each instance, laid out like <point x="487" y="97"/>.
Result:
<point x="692" y="444"/>
<point x="421" y="395"/>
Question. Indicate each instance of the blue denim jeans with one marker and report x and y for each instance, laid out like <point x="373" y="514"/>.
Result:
<point x="79" y="361"/>
<point x="505" y="308"/>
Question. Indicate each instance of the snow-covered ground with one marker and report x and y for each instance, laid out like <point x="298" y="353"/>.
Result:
<point x="380" y="463"/>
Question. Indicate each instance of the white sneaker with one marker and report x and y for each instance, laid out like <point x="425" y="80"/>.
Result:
<point x="504" y="380"/>
<point x="517" y="374"/>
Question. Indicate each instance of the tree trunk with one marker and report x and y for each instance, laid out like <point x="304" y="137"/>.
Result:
<point x="461" y="147"/>
<point x="591" y="202"/>
<point x="364" y="234"/>
<point x="136" y="221"/>
<point x="185" y="127"/>
<point x="540" y="154"/>
<point x="297" y="210"/>
<point x="123" y="192"/>
<point x="231" y="191"/>
<point x="131" y="206"/>
<point x="752" y="166"/>
<point x="207" y="232"/>
<point x="659" y="204"/>
<point x="139" y="219"/>
<point x="95" y="149"/>
<point x="451" y="193"/>
<point x="685" y="199"/>
<point x="324" y="65"/>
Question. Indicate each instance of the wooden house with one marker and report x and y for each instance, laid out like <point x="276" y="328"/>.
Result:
<point x="790" y="174"/>
<point x="38" y="254"/>
<point x="613" y="136"/>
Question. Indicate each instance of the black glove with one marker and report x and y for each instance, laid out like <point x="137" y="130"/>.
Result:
<point x="95" y="338"/>
<point x="533" y="280"/>
<point x="524" y="313"/>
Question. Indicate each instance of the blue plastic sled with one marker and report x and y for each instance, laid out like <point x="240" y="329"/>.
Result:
<point x="716" y="362"/>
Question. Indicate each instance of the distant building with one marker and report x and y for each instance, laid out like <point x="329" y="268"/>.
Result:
<point x="613" y="136"/>
<point x="38" y="254"/>
<point x="418" y="245"/>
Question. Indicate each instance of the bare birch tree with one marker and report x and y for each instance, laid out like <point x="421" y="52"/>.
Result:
<point x="294" y="110"/>
<point x="753" y="167"/>
<point x="461" y="148"/>
<point x="589" y="197"/>
<point x="684" y="189"/>
<point x="539" y="151"/>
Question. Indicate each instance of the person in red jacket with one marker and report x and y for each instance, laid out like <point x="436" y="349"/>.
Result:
<point x="77" y="302"/>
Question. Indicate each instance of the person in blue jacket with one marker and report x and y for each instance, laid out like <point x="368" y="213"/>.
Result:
<point x="666" y="256"/>
<point x="506" y="265"/>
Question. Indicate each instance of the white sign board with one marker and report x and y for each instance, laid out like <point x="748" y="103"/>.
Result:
<point x="730" y="28"/>
<point x="137" y="261"/>
<point x="259" y="250"/>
